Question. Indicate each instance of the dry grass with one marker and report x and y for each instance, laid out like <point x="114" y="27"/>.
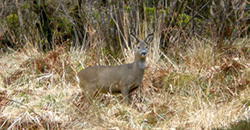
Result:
<point x="203" y="89"/>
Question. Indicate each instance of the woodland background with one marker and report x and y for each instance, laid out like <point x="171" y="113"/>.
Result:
<point x="47" y="23"/>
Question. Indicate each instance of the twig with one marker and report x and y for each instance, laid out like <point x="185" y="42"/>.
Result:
<point x="71" y="21"/>
<point x="195" y="15"/>
<point x="192" y="19"/>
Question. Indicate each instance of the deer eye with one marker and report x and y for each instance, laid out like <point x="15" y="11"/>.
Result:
<point x="139" y="47"/>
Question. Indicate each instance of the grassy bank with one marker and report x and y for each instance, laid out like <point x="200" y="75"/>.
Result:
<point x="195" y="88"/>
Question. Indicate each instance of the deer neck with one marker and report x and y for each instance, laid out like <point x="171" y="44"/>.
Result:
<point x="140" y="63"/>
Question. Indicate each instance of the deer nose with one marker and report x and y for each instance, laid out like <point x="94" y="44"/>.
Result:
<point x="143" y="53"/>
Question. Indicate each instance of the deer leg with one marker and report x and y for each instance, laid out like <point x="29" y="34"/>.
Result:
<point x="89" y="92"/>
<point x="125" y="91"/>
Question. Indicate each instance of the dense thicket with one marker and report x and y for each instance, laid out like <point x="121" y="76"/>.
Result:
<point x="46" y="23"/>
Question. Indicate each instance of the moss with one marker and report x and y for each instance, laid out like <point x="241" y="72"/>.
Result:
<point x="149" y="11"/>
<point x="13" y="21"/>
<point x="111" y="22"/>
<point x="96" y="15"/>
<point x="183" y="18"/>
<point x="127" y="8"/>
<point x="65" y="25"/>
<point x="25" y="5"/>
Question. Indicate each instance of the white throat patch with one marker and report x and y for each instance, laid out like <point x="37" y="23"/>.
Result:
<point x="142" y="65"/>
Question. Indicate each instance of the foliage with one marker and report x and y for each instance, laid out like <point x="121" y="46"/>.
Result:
<point x="13" y="21"/>
<point x="53" y="22"/>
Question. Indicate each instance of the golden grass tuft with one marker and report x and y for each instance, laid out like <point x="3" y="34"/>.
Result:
<point x="203" y="88"/>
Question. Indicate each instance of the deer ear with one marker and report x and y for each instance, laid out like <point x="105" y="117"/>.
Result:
<point x="149" y="38"/>
<point x="137" y="40"/>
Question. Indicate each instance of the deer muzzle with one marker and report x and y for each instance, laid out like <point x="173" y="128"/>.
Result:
<point x="143" y="53"/>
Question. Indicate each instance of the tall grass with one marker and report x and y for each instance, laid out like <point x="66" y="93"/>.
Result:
<point x="195" y="88"/>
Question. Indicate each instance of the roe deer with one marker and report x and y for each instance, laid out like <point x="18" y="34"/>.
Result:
<point x="115" y="79"/>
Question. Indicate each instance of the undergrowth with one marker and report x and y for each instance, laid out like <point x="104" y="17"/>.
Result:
<point x="197" y="88"/>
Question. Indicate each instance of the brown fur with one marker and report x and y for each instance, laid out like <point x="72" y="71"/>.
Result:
<point x="122" y="79"/>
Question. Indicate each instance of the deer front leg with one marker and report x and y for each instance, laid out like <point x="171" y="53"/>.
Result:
<point x="89" y="91"/>
<point x="125" y="91"/>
